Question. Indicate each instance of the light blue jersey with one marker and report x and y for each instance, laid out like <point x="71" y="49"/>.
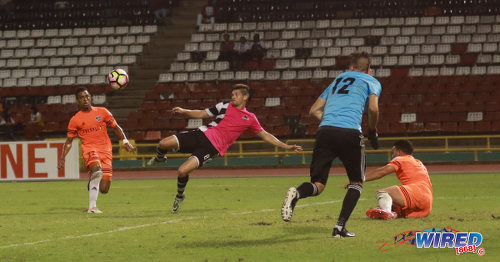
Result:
<point x="346" y="99"/>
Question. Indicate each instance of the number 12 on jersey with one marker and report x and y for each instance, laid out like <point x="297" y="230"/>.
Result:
<point x="343" y="89"/>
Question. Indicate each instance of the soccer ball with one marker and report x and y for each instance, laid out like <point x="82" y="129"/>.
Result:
<point x="118" y="79"/>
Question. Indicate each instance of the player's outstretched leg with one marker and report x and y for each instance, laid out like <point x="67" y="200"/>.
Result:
<point x="95" y="179"/>
<point x="293" y="195"/>
<point x="350" y="200"/>
<point x="159" y="158"/>
<point x="167" y="144"/>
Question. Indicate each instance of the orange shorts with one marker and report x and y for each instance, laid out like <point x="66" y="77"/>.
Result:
<point x="417" y="200"/>
<point x="105" y="160"/>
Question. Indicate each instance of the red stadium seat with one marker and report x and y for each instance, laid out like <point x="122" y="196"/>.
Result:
<point x="152" y="136"/>
<point x="167" y="133"/>
<point x="482" y="126"/>
<point x="495" y="126"/>
<point x="465" y="127"/>
<point x="397" y="128"/>
<point x="161" y="123"/>
<point x="492" y="116"/>
<point x="432" y="126"/>
<point x="145" y="123"/>
<point x="449" y="126"/>
<point x="137" y="135"/>
<point x="266" y="64"/>
<point x="416" y="127"/>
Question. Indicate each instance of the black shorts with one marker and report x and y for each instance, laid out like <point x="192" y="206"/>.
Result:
<point x="333" y="142"/>
<point x="196" y="143"/>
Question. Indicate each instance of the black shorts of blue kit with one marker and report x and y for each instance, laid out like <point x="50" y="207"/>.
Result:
<point x="196" y="143"/>
<point x="346" y="144"/>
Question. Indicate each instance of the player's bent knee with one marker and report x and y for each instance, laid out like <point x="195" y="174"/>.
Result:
<point x="169" y="143"/>
<point x="320" y="187"/>
<point x="183" y="172"/>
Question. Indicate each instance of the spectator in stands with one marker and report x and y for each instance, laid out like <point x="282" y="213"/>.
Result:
<point x="7" y="125"/>
<point x="35" y="125"/>
<point x="160" y="8"/>
<point x="258" y="48"/>
<point x="207" y="15"/>
<point x="227" y="52"/>
<point x="242" y="52"/>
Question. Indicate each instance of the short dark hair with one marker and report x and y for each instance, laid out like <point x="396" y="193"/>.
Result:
<point x="404" y="145"/>
<point x="361" y="61"/>
<point x="80" y="89"/>
<point x="245" y="90"/>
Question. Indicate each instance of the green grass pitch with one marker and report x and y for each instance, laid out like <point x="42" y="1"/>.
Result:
<point x="232" y="219"/>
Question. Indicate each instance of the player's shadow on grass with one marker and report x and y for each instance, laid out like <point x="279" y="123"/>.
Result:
<point x="305" y="230"/>
<point x="221" y="243"/>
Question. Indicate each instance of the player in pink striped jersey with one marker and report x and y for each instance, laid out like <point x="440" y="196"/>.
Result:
<point x="207" y="142"/>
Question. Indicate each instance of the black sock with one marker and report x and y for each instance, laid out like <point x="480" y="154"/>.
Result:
<point x="350" y="200"/>
<point x="181" y="186"/>
<point x="307" y="189"/>
<point x="160" y="152"/>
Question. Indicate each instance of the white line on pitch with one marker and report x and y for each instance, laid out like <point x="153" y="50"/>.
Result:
<point x="98" y="233"/>
<point x="305" y="205"/>
<point x="152" y="224"/>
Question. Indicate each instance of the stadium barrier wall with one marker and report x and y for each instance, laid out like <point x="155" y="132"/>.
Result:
<point x="37" y="160"/>
<point x="430" y="149"/>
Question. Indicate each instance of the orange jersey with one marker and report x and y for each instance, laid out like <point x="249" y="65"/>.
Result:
<point x="410" y="170"/>
<point x="91" y="128"/>
<point x="416" y="189"/>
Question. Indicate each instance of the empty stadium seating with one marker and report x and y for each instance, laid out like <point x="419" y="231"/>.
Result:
<point x="437" y="61"/>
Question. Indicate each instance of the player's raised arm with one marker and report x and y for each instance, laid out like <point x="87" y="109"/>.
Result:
<point x="190" y="113"/>
<point x="121" y="135"/>
<point x="269" y="138"/>
<point x="66" y="147"/>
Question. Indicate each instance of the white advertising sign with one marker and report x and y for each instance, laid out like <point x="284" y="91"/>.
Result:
<point x="37" y="160"/>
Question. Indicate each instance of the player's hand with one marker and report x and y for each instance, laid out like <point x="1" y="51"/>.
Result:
<point x="60" y="163"/>
<point x="178" y="110"/>
<point x="295" y="148"/>
<point x="129" y="147"/>
<point x="373" y="137"/>
<point x="346" y="185"/>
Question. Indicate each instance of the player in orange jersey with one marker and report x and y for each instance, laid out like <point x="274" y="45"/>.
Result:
<point x="90" y="125"/>
<point x="411" y="199"/>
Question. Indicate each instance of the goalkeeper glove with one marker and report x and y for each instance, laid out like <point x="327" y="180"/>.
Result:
<point x="373" y="137"/>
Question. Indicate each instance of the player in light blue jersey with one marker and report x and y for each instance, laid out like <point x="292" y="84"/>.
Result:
<point x="340" y="109"/>
<point x="345" y="99"/>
